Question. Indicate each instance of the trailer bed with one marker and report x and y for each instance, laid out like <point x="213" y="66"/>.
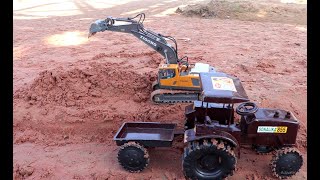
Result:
<point x="149" y="134"/>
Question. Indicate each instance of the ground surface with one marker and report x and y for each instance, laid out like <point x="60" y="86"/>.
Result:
<point x="71" y="94"/>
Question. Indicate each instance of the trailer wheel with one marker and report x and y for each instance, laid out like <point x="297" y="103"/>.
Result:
<point x="133" y="157"/>
<point x="209" y="160"/>
<point x="286" y="162"/>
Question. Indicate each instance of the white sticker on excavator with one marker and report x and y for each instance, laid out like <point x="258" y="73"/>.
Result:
<point x="223" y="83"/>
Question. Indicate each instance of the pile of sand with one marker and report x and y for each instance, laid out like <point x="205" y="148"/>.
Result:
<point x="248" y="11"/>
<point x="77" y="87"/>
<point x="86" y="104"/>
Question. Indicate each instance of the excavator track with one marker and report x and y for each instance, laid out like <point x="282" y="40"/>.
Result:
<point x="174" y="96"/>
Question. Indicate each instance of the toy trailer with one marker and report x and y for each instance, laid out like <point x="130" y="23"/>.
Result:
<point x="149" y="134"/>
<point x="212" y="137"/>
<point x="134" y="139"/>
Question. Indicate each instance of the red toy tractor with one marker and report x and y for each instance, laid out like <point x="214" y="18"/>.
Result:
<point x="212" y="137"/>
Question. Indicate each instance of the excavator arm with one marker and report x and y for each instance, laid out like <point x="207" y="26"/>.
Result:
<point x="154" y="40"/>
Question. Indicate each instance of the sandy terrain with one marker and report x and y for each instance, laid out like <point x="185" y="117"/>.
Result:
<point x="71" y="94"/>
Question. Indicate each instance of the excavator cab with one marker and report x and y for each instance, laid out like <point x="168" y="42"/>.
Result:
<point x="170" y="76"/>
<point x="182" y="77"/>
<point x="167" y="73"/>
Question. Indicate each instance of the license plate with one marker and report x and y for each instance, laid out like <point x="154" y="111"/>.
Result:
<point x="272" y="129"/>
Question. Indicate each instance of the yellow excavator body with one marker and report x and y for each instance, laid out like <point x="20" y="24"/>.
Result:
<point x="173" y="76"/>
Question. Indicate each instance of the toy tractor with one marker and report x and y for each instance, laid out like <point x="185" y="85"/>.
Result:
<point x="212" y="137"/>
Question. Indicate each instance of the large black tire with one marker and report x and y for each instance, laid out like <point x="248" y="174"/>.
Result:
<point x="208" y="159"/>
<point x="133" y="157"/>
<point x="286" y="162"/>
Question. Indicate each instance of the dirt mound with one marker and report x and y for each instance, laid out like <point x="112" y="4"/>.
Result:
<point x="149" y="59"/>
<point x="220" y="9"/>
<point x="69" y="126"/>
<point x="78" y="87"/>
<point x="86" y="105"/>
<point x="20" y="172"/>
<point x="248" y="11"/>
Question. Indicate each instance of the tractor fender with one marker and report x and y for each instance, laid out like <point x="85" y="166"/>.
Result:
<point x="190" y="136"/>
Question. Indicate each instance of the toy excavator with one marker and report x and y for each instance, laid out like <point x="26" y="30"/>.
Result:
<point x="178" y="81"/>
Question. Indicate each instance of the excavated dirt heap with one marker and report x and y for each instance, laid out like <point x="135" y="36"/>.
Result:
<point x="86" y="104"/>
<point x="219" y="8"/>
<point x="79" y="87"/>
<point x="248" y="11"/>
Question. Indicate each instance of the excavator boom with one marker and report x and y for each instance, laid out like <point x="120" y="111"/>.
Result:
<point x="128" y="25"/>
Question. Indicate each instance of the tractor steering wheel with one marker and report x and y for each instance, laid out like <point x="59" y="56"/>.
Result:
<point x="247" y="108"/>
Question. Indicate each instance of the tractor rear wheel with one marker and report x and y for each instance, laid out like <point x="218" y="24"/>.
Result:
<point x="133" y="157"/>
<point x="286" y="162"/>
<point x="208" y="159"/>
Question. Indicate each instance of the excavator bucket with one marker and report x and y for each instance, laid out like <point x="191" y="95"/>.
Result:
<point x="97" y="26"/>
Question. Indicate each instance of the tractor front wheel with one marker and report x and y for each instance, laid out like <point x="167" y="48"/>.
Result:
<point x="286" y="162"/>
